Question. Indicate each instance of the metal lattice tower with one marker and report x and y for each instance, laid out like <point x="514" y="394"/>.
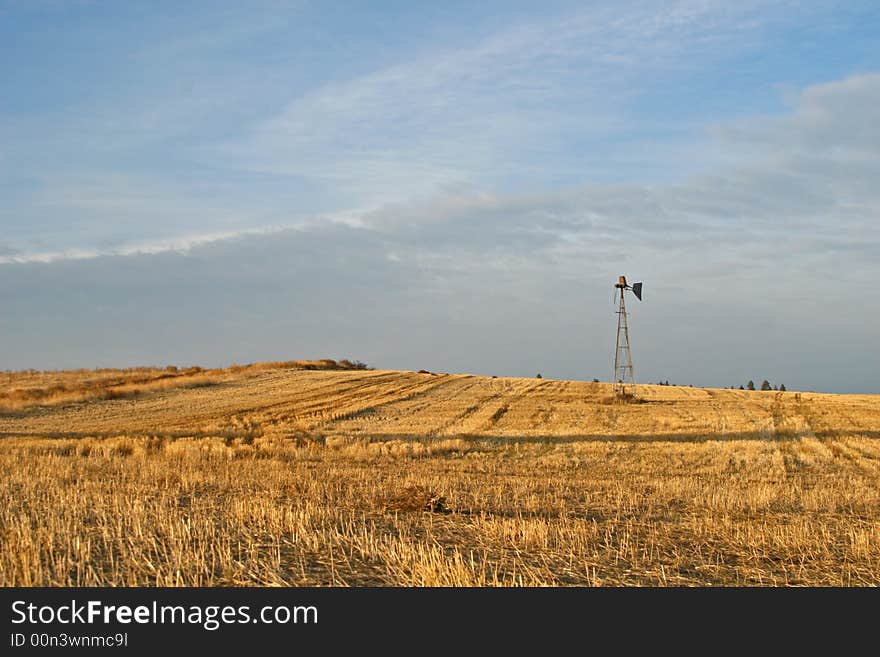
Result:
<point x="624" y="381"/>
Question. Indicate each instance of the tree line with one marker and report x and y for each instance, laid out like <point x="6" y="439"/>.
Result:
<point x="765" y="385"/>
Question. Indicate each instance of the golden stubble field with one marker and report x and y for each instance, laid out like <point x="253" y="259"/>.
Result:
<point x="285" y="476"/>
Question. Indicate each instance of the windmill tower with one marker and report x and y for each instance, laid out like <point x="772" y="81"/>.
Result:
<point x="624" y="381"/>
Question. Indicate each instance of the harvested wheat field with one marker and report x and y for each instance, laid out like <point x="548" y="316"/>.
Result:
<point x="280" y="475"/>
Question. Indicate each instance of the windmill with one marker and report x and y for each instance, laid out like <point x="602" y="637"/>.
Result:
<point x="623" y="365"/>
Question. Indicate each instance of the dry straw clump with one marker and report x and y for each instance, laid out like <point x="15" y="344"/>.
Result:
<point x="621" y="398"/>
<point x="416" y="498"/>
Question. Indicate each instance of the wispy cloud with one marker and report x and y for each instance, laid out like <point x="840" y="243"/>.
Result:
<point x="531" y="105"/>
<point x="500" y="110"/>
<point x="807" y="190"/>
<point x="181" y="244"/>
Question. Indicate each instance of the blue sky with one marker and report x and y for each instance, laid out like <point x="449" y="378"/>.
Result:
<point x="449" y="186"/>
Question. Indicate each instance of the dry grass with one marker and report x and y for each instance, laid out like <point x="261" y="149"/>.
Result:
<point x="32" y="388"/>
<point x="292" y="477"/>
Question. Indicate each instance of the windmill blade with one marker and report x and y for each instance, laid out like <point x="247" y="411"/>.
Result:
<point x="637" y="290"/>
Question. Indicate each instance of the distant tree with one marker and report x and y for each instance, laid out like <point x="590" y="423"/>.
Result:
<point x="538" y="376"/>
<point x="741" y="388"/>
<point x="781" y="387"/>
<point x="667" y="381"/>
<point x="347" y="364"/>
<point x="595" y="380"/>
<point x="776" y="387"/>
<point x="765" y="385"/>
<point x="750" y="385"/>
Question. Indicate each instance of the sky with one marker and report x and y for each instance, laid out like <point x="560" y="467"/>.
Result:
<point x="448" y="186"/>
